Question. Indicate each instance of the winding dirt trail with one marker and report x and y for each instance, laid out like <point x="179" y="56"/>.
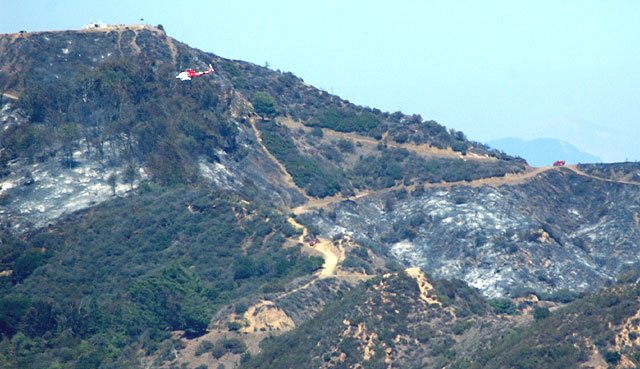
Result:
<point x="574" y="167"/>
<point x="318" y="203"/>
<point x="509" y="179"/>
<point x="332" y="255"/>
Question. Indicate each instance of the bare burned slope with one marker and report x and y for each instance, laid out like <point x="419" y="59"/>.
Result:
<point x="556" y="230"/>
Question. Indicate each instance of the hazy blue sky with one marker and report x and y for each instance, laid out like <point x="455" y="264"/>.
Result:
<point x="492" y="69"/>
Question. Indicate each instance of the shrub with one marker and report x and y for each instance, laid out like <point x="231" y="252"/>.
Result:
<point x="342" y="121"/>
<point x="317" y="132"/>
<point x="540" y="313"/>
<point x="228" y="345"/>
<point x="460" y="327"/>
<point x="218" y="351"/>
<point x="503" y="306"/>
<point x="562" y="295"/>
<point x="204" y="347"/>
<point x="612" y="357"/>
<point x="234" y="345"/>
<point x="241" y="308"/>
<point x="264" y="104"/>
<point x="401" y="138"/>
<point x="234" y="326"/>
<point x="460" y="147"/>
<point x="346" y="146"/>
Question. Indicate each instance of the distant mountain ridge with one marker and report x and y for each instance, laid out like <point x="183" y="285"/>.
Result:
<point x="540" y="152"/>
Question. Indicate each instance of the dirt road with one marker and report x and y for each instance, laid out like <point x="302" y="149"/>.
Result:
<point x="332" y="255"/>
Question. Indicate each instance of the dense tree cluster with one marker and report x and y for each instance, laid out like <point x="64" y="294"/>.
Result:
<point x="131" y="270"/>
<point x="345" y="121"/>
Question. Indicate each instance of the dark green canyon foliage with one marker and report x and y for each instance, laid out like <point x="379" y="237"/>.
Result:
<point x="158" y="261"/>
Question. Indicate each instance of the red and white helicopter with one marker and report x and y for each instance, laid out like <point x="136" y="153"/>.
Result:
<point x="188" y="74"/>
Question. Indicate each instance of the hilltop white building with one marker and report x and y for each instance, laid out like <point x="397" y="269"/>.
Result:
<point x="97" y="24"/>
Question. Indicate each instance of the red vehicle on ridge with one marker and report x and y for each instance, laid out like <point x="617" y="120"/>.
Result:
<point x="559" y="163"/>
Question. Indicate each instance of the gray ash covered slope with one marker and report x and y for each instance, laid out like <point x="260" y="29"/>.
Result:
<point x="561" y="229"/>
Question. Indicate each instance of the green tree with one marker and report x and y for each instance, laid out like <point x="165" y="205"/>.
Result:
<point x="130" y="174"/>
<point x="174" y="298"/>
<point x="27" y="263"/>
<point x="12" y="309"/>
<point x="503" y="306"/>
<point x="112" y="181"/>
<point x="68" y="135"/>
<point x="540" y="313"/>
<point x="612" y="357"/>
<point x="264" y="105"/>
